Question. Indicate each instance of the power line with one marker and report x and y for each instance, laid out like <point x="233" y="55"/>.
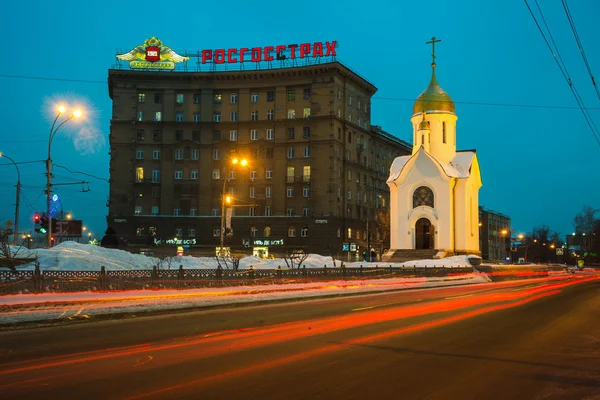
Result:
<point x="565" y="73"/>
<point x="82" y="173"/>
<point x="45" y="78"/>
<point x="585" y="60"/>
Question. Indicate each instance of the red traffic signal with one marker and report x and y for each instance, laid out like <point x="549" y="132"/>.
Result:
<point x="36" y="218"/>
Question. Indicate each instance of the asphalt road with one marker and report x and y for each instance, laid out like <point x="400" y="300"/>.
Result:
<point x="510" y="340"/>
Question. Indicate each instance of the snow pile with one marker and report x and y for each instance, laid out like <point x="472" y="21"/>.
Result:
<point x="71" y="256"/>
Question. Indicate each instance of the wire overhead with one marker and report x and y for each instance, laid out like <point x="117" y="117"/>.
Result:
<point x="563" y="69"/>
<point x="580" y="46"/>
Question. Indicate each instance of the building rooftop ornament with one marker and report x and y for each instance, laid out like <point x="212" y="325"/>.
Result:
<point x="434" y="98"/>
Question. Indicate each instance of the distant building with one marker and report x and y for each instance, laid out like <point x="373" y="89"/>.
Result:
<point x="494" y="235"/>
<point x="316" y="167"/>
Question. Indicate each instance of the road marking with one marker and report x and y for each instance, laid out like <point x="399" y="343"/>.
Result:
<point x="387" y="304"/>
<point x="458" y="297"/>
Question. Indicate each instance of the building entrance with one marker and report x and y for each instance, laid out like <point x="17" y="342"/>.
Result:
<point x="424" y="233"/>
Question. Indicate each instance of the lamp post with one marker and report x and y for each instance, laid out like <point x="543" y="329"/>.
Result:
<point x="53" y="130"/>
<point x="16" y="232"/>
<point x="227" y="199"/>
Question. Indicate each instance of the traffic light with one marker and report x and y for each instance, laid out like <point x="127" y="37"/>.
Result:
<point x="43" y="224"/>
<point x="36" y="221"/>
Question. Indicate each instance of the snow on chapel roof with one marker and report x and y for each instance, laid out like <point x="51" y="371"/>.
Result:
<point x="459" y="167"/>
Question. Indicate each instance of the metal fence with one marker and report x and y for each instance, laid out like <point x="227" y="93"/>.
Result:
<point x="39" y="281"/>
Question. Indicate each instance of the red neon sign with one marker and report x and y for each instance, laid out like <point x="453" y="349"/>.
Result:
<point x="270" y="53"/>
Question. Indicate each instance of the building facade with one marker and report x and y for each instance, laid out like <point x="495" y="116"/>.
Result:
<point x="495" y="235"/>
<point x="315" y="173"/>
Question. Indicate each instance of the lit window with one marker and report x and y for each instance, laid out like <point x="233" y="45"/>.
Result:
<point x="179" y="98"/>
<point x="217" y="98"/>
<point x="141" y="97"/>
<point x="306" y="113"/>
<point x="139" y="174"/>
<point x="291" y="231"/>
<point x="291" y="114"/>
<point x="158" y="116"/>
<point x="267" y="231"/>
<point x="140" y="116"/>
<point x="306" y="173"/>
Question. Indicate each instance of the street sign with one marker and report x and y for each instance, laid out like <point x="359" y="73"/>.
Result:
<point x="345" y="247"/>
<point x="64" y="228"/>
<point x="560" y="251"/>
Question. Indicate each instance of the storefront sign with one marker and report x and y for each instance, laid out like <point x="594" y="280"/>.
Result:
<point x="152" y="55"/>
<point x="267" y="242"/>
<point x="320" y="221"/>
<point x="345" y="246"/>
<point x="176" y="241"/>
<point x="270" y="53"/>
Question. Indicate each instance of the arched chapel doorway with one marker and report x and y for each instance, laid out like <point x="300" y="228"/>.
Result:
<point x="424" y="232"/>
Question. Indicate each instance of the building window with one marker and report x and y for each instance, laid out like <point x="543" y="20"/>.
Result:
<point x="155" y="210"/>
<point x="179" y="154"/>
<point x="178" y="174"/>
<point x="217" y="98"/>
<point x="306" y="173"/>
<point x="216" y="174"/>
<point x="232" y="174"/>
<point x="269" y="173"/>
<point x="349" y="100"/>
<point x="304" y="232"/>
<point x="306" y="151"/>
<point x="349" y="117"/>
<point x="194" y="174"/>
<point x="140" y="231"/>
<point x="252" y="192"/>
<point x="216" y="136"/>
<point x="193" y="212"/>
<point x="306" y="113"/>
<point x="253" y="174"/>
<point x="290" y="174"/>
<point x="307" y="94"/>
<point x="306" y="132"/>
<point x="179" y="98"/>
<point x="423" y="196"/>
<point x="178" y="136"/>
<point x="290" y="152"/>
<point x="139" y="174"/>
<point x="196" y="99"/>
<point x="233" y="135"/>
<point x="349" y="194"/>
<point x="137" y="210"/>
<point x="234" y="116"/>
<point x="254" y="97"/>
<point x="177" y="213"/>
<point x="306" y="212"/>
<point x="158" y="116"/>
<point x="157" y="135"/>
<point x="270" y="95"/>
<point x="191" y="232"/>
<point x="217" y="116"/>
<point x="270" y="115"/>
<point x="267" y="231"/>
<point x="234" y="98"/>
<point x="214" y="212"/>
<point x="196" y="117"/>
<point x="268" y="192"/>
<point x="290" y="191"/>
<point x="291" y="133"/>
<point x="270" y="134"/>
<point x="268" y="211"/>
<point x="195" y="154"/>
<point x="291" y="113"/>
<point x="141" y="97"/>
<point x="253" y="231"/>
<point x="306" y="191"/>
<point x="254" y="116"/>
<point x="254" y="134"/>
<point x="140" y="116"/>
<point x="291" y="94"/>
<point x="269" y="152"/>
<point x="156" y="154"/>
<point x="157" y="98"/>
<point x="140" y="135"/>
<point x="216" y="232"/>
<point x="291" y="231"/>
<point x="156" y="175"/>
<point x="179" y="231"/>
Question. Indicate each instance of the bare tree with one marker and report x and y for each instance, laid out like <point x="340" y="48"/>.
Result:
<point x="9" y="253"/>
<point x="332" y="247"/>
<point x="584" y="221"/>
<point x="294" y="257"/>
<point x="165" y="263"/>
<point x="230" y="260"/>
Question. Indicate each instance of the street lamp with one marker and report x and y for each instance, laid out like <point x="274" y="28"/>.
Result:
<point x="16" y="232"/>
<point x="227" y="199"/>
<point x="53" y="130"/>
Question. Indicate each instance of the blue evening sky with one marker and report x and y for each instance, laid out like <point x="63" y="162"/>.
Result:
<point x="539" y="165"/>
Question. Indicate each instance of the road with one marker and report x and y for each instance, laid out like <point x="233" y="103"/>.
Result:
<point x="535" y="339"/>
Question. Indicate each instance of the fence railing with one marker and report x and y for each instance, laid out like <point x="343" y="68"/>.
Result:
<point x="38" y="281"/>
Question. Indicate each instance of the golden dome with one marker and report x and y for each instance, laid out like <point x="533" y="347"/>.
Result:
<point x="433" y="99"/>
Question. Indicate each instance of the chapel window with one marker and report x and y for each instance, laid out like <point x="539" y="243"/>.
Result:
<point x="423" y="196"/>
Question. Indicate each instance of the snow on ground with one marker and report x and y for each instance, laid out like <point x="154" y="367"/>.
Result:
<point x="71" y="256"/>
<point x="83" y="305"/>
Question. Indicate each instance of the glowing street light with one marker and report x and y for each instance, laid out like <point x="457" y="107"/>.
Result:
<point x="53" y="130"/>
<point x="227" y="199"/>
